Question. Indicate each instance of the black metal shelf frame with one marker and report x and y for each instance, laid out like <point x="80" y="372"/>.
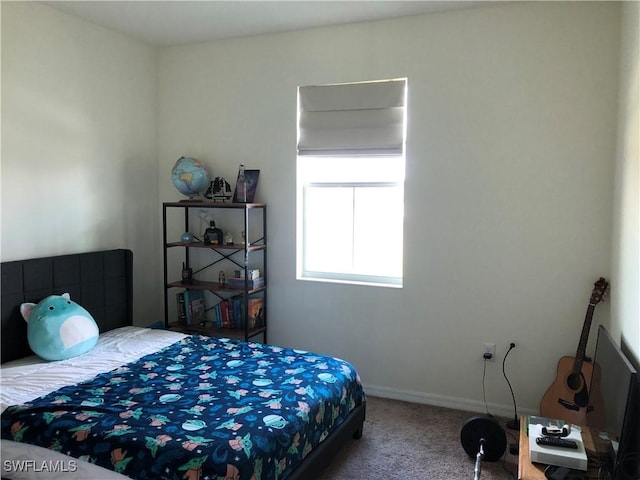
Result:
<point x="225" y="252"/>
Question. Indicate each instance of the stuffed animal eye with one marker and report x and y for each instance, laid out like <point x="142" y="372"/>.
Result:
<point x="51" y="307"/>
<point x="68" y="302"/>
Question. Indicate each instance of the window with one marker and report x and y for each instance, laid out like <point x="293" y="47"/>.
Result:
<point x="350" y="182"/>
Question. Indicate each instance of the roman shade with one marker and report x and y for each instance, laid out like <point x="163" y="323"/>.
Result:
<point x="352" y="119"/>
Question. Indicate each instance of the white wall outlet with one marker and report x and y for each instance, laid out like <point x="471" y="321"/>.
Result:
<point x="489" y="351"/>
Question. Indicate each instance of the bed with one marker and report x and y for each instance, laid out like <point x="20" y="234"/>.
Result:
<point x="148" y="403"/>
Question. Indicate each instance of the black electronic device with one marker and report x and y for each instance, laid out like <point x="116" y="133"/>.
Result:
<point x="553" y="472"/>
<point x="187" y="275"/>
<point x="614" y="410"/>
<point x="563" y="431"/>
<point x="557" y="442"/>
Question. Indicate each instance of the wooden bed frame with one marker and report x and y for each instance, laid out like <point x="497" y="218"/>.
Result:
<point x="102" y="282"/>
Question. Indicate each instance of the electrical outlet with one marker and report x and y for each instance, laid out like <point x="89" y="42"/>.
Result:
<point x="489" y="351"/>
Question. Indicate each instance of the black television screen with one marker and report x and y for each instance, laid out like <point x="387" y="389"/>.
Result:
<point x="612" y="404"/>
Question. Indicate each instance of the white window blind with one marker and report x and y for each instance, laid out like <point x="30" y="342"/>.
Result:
<point x="350" y="182"/>
<point x="352" y="119"/>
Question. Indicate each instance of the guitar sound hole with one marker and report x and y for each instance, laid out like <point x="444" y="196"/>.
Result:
<point x="574" y="381"/>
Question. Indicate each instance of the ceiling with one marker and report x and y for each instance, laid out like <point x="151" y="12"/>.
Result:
<point x="165" y="23"/>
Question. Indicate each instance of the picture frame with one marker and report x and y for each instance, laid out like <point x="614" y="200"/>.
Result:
<point x="251" y="177"/>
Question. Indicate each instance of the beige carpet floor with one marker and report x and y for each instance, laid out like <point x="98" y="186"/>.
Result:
<point x="412" y="441"/>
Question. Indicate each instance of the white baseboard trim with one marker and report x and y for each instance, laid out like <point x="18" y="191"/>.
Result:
<point x="464" y="404"/>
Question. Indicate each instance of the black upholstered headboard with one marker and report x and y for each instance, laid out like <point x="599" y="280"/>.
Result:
<point x="99" y="281"/>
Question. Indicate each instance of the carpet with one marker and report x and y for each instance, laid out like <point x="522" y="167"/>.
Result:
<point x="403" y="440"/>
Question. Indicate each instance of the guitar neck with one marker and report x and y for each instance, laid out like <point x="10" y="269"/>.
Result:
<point x="584" y="336"/>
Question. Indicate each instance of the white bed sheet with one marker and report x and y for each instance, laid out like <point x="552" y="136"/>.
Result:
<point x="31" y="377"/>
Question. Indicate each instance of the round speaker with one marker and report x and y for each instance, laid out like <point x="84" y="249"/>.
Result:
<point x="487" y="428"/>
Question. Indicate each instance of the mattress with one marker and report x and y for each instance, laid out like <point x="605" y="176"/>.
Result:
<point x="31" y="377"/>
<point x="156" y="404"/>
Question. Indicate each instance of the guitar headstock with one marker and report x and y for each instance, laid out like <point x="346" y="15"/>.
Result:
<point x="599" y="290"/>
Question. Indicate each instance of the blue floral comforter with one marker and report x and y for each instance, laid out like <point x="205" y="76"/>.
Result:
<point x="201" y="408"/>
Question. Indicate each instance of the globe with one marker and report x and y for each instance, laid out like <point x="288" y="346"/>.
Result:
<point x="190" y="176"/>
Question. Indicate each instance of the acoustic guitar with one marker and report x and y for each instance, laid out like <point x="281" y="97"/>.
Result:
<point x="568" y="398"/>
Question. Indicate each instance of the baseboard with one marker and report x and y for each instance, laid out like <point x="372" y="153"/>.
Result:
<point x="464" y="404"/>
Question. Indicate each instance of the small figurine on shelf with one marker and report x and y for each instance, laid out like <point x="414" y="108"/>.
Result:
<point x="213" y="235"/>
<point x="219" y="190"/>
<point x="188" y="237"/>
<point x="228" y="238"/>
<point x="222" y="279"/>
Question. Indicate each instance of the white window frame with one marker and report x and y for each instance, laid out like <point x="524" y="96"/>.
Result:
<point x="346" y="242"/>
<point x="386" y="241"/>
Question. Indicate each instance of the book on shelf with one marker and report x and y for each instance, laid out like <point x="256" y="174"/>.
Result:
<point x="224" y="312"/>
<point x="239" y="283"/>
<point x="194" y="307"/>
<point x="182" y="313"/>
<point x="221" y="314"/>
<point x="255" y="317"/>
<point x="215" y="311"/>
<point x="234" y="311"/>
<point x="228" y="313"/>
<point x="255" y="312"/>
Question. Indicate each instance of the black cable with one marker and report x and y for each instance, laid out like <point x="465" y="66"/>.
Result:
<point x="512" y="474"/>
<point x="484" y="393"/>
<point x="603" y="474"/>
<point x="629" y="460"/>
<point x="515" y="423"/>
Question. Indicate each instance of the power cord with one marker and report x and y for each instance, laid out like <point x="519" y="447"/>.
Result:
<point x="515" y="423"/>
<point x="512" y="474"/>
<point x="629" y="465"/>
<point x="604" y="474"/>
<point x="484" y="391"/>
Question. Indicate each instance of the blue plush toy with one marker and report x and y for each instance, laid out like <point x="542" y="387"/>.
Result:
<point x="59" y="328"/>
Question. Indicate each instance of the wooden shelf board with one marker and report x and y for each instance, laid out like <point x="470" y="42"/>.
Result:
<point x="236" y="246"/>
<point x="212" y="204"/>
<point x="215" y="331"/>
<point x="212" y="286"/>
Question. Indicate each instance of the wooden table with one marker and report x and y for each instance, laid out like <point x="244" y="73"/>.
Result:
<point x="535" y="471"/>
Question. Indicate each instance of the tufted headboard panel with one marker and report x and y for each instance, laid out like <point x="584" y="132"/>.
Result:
<point x="99" y="281"/>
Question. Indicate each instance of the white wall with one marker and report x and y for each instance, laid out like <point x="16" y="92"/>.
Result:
<point x="79" y="168"/>
<point x="510" y="170"/>
<point x="512" y="142"/>
<point x="625" y="310"/>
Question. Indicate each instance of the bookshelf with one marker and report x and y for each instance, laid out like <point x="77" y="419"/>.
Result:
<point x="236" y="311"/>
